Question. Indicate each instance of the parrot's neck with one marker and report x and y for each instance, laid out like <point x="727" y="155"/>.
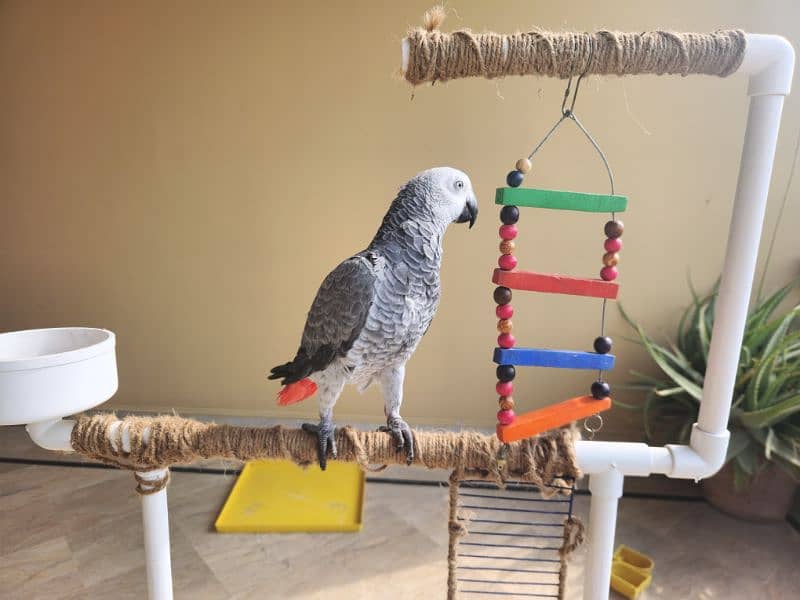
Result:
<point x="412" y="224"/>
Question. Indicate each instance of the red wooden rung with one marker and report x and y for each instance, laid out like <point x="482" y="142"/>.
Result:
<point x="550" y="417"/>
<point x="555" y="284"/>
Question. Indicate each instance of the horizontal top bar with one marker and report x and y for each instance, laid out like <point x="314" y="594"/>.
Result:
<point x="432" y="55"/>
<point x="560" y="200"/>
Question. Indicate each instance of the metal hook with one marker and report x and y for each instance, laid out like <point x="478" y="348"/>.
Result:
<point x="568" y="112"/>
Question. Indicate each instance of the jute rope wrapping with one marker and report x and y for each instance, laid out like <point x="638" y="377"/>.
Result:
<point x="160" y="442"/>
<point x="438" y="56"/>
<point x="175" y="440"/>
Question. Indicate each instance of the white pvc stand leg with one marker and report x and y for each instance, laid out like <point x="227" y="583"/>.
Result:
<point x="606" y="489"/>
<point x="155" y="518"/>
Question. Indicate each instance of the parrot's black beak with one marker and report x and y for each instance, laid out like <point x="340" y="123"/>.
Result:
<point x="470" y="213"/>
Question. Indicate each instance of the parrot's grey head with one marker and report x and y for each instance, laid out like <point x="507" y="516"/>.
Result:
<point x="437" y="197"/>
<point x="450" y="194"/>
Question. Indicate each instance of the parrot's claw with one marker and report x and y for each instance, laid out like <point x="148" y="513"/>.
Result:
<point x="402" y="434"/>
<point x="326" y="440"/>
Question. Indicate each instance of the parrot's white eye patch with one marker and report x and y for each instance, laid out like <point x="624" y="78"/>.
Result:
<point x="459" y="184"/>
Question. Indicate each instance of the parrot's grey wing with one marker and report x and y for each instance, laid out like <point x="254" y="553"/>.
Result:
<point x="335" y="319"/>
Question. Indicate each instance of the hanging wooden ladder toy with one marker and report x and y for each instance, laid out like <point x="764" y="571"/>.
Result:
<point x="507" y="355"/>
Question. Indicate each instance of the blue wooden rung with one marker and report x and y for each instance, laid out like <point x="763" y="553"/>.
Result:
<point x="558" y="359"/>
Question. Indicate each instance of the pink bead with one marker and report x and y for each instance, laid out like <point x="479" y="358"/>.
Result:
<point x="508" y="232"/>
<point x="613" y="245"/>
<point x="504" y="311"/>
<point x="506" y="340"/>
<point x="608" y="273"/>
<point x="507" y="261"/>
<point x="504" y="388"/>
<point x="505" y="417"/>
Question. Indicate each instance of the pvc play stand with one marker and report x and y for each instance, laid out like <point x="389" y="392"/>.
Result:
<point x="51" y="374"/>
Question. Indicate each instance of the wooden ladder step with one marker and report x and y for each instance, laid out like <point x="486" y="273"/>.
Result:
<point x="555" y="284"/>
<point x="550" y="417"/>
<point x="557" y="359"/>
<point x="560" y="200"/>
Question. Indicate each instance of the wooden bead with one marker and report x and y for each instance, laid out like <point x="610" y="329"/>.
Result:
<point x="507" y="262"/>
<point x="514" y="178"/>
<point x="504" y="388"/>
<point x="614" y="229"/>
<point x="507" y="247"/>
<point x="502" y="295"/>
<point x="509" y="214"/>
<point x="523" y="165"/>
<point x="505" y="417"/>
<point x="613" y="245"/>
<point x="611" y="259"/>
<point x="506" y="403"/>
<point x="504" y="311"/>
<point x="508" y="232"/>
<point x="506" y="372"/>
<point x="600" y="390"/>
<point x="608" y="273"/>
<point x="602" y="345"/>
<point x="506" y="340"/>
<point x="504" y="325"/>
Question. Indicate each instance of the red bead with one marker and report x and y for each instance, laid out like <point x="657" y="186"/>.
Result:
<point x="504" y="311"/>
<point x="506" y="340"/>
<point x="608" y="273"/>
<point x="508" y="232"/>
<point x="507" y="262"/>
<point x="504" y="388"/>
<point x="505" y="417"/>
<point x="613" y="245"/>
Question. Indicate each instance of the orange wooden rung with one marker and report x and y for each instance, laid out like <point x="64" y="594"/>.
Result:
<point x="555" y="284"/>
<point x="550" y="417"/>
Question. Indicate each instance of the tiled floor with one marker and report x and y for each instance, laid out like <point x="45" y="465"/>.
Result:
<point x="75" y="532"/>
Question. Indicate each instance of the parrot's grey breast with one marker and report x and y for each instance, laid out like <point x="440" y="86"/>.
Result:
<point x="407" y="291"/>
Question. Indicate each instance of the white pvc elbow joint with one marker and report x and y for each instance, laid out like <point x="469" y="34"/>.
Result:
<point x="703" y="457"/>
<point x="769" y="61"/>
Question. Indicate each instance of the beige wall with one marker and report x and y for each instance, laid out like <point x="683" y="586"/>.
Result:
<point x="186" y="173"/>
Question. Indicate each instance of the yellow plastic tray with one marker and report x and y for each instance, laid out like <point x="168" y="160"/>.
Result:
<point x="279" y="496"/>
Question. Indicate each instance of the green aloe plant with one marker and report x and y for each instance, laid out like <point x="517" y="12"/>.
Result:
<point x="765" y="414"/>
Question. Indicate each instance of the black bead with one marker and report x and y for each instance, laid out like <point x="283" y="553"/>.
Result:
<point x="502" y="295"/>
<point x="514" y="178"/>
<point x="506" y="372"/>
<point x="509" y="215"/>
<point x="600" y="390"/>
<point x="602" y="345"/>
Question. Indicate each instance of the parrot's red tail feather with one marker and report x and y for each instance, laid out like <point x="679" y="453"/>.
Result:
<point x="296" y="392"/>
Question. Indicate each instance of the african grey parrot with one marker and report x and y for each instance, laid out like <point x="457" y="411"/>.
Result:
<point x="372" y="310"/>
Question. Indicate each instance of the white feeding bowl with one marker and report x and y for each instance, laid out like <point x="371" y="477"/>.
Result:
<point x="47" y="374"/>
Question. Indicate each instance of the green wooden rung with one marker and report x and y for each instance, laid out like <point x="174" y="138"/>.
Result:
<point x="560" y="200"/>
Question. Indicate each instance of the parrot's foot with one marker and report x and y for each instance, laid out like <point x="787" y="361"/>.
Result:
<point x="326" y="440"/>
<point x="402" y="434"/>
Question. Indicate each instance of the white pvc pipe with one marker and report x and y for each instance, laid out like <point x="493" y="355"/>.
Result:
<point x="52" y="435"/>
<point x="155" y="518"/>
<point x="606" y="489"/>
<point x="761" y="135"/>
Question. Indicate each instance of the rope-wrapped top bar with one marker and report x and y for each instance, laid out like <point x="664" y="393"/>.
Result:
<point x="158" y="442"/>
<point x="434" y="55"/>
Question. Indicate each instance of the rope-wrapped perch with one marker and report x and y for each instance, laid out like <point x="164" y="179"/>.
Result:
<point x="159" y="442"/>
<point x="149" y="443"/>
<point x="434" y="55"/>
